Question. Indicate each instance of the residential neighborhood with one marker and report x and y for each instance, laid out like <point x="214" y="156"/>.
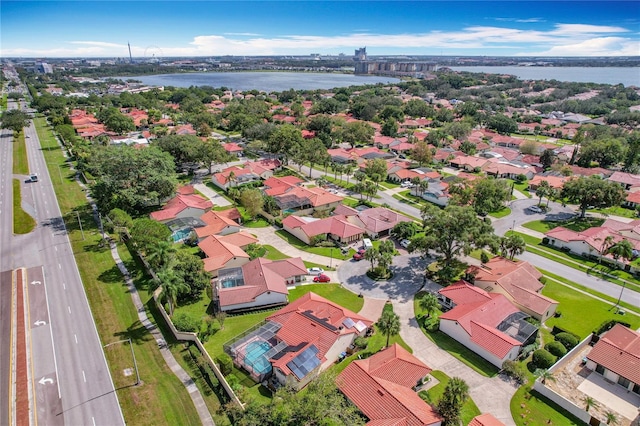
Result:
<point x="437" y="257"/>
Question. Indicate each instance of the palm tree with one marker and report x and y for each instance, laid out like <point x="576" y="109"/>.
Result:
<point x="513" y="245"/>
<point x="348" y="169"/>
<point x="161" y="254"/>
<point x="172" y="285"/>
<point x="545" y="375"/>
<point x="429" y="303"/>
<point x="231" y="179"/>
<point x="589" y="403"/>
<point x="455" y="395"/>
<point x="611" y="418"/>
<point x="423" y="186"/>
<point x="389" y="324"/>
<point x="606" y="243"/>
<point x="544" y="190"/>
<point x="372" y="255"/>
<point x="621" y="249"/>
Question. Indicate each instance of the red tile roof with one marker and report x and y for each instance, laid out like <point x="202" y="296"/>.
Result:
<point x="379" y="219"/>
<point x="336" y="225"/>
<point x="485" y="420"/>
<point x="219" y="253"/>
<point x="381" y="387"/>
<point x="556" y="182"/>
<point x="216" y="222"/>
<point x="315" y="197"/>
<point x="179" y="203"/>
<point x="619" y="351"/>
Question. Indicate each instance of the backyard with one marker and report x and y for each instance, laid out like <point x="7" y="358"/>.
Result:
<point x="433" y="395"/>
<point x="330" y="252"/>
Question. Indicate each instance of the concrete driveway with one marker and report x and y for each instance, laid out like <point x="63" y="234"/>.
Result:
<point x="492" y="395"/>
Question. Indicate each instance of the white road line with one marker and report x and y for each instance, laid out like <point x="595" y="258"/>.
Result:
<point x="53" y="348"/>
<point x="56" y="248"/>
<point x="69" y="308"/>
<point x="59" y="266"/>
<point x="76" y="337"/>
<point x="84" y="377"/>
<point x="94" y="421"/>
<point x="64" y="286"/>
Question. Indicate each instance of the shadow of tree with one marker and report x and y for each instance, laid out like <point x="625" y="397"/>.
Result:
<point x="136" y="332"/>
<point x="111" y="276"/>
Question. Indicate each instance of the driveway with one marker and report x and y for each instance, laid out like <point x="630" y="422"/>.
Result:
<point x="492" y="395"/>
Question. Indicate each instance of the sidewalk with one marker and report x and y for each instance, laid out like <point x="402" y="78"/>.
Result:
<point x="215" y="198"/>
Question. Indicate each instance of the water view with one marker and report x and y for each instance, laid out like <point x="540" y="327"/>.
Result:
<point x="607" y="75"/>
<point x="267" y="81"/>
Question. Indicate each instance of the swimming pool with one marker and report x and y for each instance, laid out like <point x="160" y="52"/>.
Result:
<point x="181" y="234"/>
<point x="254" y="357"/>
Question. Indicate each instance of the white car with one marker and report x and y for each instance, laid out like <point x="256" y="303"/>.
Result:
<point x="407" y="184"/>
<point x="315" y="271"/>
<point x="534" y="209"/>
<point x="405" y="243"/>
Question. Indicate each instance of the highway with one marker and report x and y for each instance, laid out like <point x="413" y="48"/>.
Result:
<point x="69" y="374"/>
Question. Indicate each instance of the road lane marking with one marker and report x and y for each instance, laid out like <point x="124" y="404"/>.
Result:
<point x="69" y="308"/>
<point x="76" y="337"/>
<point x="84" y="377"/>
<point x="59" y="266"/>
<point x="56" y="248"/>
<point x="94" y="421"/>
<point x="64" y="286"/>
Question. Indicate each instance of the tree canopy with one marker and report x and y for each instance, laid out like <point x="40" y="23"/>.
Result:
<point x="592" y="192"/>
<point x="14" y="120"/>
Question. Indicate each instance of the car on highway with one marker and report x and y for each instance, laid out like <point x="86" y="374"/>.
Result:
<point x="534" y="209"/>
<point x="405" y="243"/>
<point x="315" y="271"/>
<point x="322" y="278"/>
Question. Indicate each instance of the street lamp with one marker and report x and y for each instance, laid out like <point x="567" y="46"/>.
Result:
<point x="135" y="364"/>
<point x="331" y="258"/>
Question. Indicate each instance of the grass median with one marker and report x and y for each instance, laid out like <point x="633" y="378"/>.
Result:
<point x="20" y="162"/>
<point x="23" y="223"/>
<point x="162" y="399"/>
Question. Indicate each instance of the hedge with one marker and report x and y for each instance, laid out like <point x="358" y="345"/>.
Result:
<point x="568" y="340"/>
<point x="225" y="363"/>
<point x="556" y="348"/>
<point x="543" y="359"/>
<point x="608" y="325"/>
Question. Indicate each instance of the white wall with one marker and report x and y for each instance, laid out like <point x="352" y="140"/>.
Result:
<point x="191" y="212"/>
<point x="269" y="298"/>
<point x="297" y="232"/>
<point x="338" y="347"/>
<point x="455" y="331"/>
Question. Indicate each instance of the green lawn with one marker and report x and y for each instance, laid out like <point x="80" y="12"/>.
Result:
<point x="505" y="211"/>
<point x="334" y="292"/>
<point x="389" y="185"/>
<point x="617" y="211"/>
<point x="574" y="305"/>
<point x="259" y="222"/>
<point x="433" y="395"/>
<point x="521" y="187"/>
<point x="575" y="224"/>
<point x="322" y="251"/>
<point x="450" y="345"/>
<point x="20" y="161"/>
<point x="529" y="408"/>
<point x="273" y="253"/>
<point x="23" y="223"/>
<point x="162" y="399"/>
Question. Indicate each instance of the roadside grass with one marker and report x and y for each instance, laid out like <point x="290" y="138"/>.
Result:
<point x="529" y="408"/>
<point x="432" y="396"/>
<point x="522" y="187"/>
<point x="389" y="185"/>
<point x="453" y="347"/>
<point x="162" y="399"/>
<point x="273" y="253"/>
<point x="580" y="263"/>
<point x="20" y="161"/>
<point x="505" y="211"/>
<point x="477" y="254"/>
<point x="334" y="292"/>
<point x="23" y="223"/>
<point x="617" y="211"/>
<point x="256" y="223"/>
<point x="322" y="251"/>
<point x="575" y="224"/>
<point x="574" y="305"/>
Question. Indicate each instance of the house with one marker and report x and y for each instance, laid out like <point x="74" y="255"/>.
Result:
<point x="437" y="192"/>
<point x="626" y="180"/>
<point x="336" y="227"/>
<point x="402" y="175"/>
<point x="258" y="283"/>
<point x="221" y="254"/>
<point x="501" y="169"/>
<point x="298" y="341"/>
<point x="555" y="182"/>
<point x="303" y="200"/>
<point x="468" y="163"/>
<point x="233" y="149"/>
<point x="616" y="356"/>
<point x="486" y="419"/>
<point x="186" y="204"/>
<point x="632" y="200"/>
<point x="382" y="387"/>
<point x="279" y="185"/>
<point x="216" y="224"/>
<point x="519" y="282"/>
<point x="378" y="221"/>
<point x="487" y="323"/>
<point x="234" y="176"/>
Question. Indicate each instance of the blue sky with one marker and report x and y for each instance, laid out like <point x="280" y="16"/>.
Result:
<point x="212" y="28"/>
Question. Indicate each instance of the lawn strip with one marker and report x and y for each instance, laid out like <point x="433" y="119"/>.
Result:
<point x="20" y="161"/>
<point x="23" y="223"/>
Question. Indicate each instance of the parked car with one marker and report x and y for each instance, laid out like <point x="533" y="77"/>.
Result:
<point x="322" y="278"/>
<point x="407" y="184"/>
<point x="358" y="256"/>
<point x="534" y="209"/>
<point x="405" y="243"/>
<point x="315" y="271"/>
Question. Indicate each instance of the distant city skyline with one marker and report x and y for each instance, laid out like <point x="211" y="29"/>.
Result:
<point x="50" y="29"/>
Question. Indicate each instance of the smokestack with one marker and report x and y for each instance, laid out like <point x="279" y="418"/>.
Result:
<point x="130" y="57"/>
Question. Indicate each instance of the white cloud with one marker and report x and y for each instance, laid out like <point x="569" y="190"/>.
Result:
<point x="562" y="40"/>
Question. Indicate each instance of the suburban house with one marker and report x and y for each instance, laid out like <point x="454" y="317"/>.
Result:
<point x="485" y="419"/>
<point x="186" y="204"/>
<point x="298" y="341"/>
<point x="234" y="176"/>
<point x="233" y="149"/>
<point x="216" y="224"/>
<point x="258" y="283"/>
<point x="221" y="254"/>
<point x="555" y="182"/>
<point x="632" y="200"/>
<point x="595" y="240"/>
<point x="616" y="356"/>
<point x="402" y="175"/>
<point x="508" y="170"/>
<point x="486" y="323"/>
<point x="378" y="221"/>
<point x="303" y="200"/>
<point x="468" y="163"/>
<point x="337" y="228"/>
<point x="626" y="180"/>
<point x="382" y="387"/>
<point x="517" y="281"/>
<point x="279" y="185"/>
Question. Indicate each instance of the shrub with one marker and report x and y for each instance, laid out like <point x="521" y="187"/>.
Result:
<point x="360" y="342"/>
<point x="556" y="348"/>
<point x="608" y="325"/>
<point x="568" y="340"/>
<point x="225" y="363"/>
<point x="484" y="257"/>
<point x="543" y="359"/>
<point x="185" y="323"/>
<point x="515" y="370"/>
<point x="526" y="351"/>
<point x="521" y="178"/>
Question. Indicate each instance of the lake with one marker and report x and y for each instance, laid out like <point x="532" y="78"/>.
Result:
<point x="266" y="81"/>
<point x="629" y="76"/>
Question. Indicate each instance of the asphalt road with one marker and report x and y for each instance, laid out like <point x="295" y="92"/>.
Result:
<point x="71" y="379"/>
<point x="518" y="216"/>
